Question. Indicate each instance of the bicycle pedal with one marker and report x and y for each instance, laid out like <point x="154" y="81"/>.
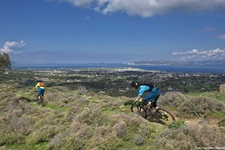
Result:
<point x="150" y="113"/>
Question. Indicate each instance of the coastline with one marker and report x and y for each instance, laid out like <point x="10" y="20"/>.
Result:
<point x="163" y="68"/>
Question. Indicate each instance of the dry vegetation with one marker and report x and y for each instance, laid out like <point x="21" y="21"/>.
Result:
<point x="71" y="120"/>
<point x="191" y="106"/>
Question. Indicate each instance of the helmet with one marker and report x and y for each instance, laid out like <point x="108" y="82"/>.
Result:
<point x="135" y="84"/>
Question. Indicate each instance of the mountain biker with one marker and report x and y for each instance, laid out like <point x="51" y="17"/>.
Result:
<point x="41" y="88"/>
<point x="151" y="97"/>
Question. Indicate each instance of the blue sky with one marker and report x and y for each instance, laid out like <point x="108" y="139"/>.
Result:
<point x="111" y="31"/>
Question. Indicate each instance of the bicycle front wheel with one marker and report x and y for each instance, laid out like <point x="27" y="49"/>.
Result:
<point x="164" y="116"/>
<point x="140" y="110"/>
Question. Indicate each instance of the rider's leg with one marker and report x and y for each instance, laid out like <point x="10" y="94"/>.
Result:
<point x="42" y="92"/>
<point x="151" y="97"/>
<point x="154" y="103"/>
<point x="158" y="92"/>
<point x="39" y="93"/>
<point x="148" y="105"/>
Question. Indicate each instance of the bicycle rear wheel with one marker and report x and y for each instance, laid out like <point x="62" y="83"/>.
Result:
<point x="164" y="116"/>
<point x="42" y="101"/>
<point x="140" y="110"/>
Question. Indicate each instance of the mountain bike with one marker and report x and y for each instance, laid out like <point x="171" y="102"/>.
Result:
<point x="160" y="115"/>
<point x="40" y="100"/>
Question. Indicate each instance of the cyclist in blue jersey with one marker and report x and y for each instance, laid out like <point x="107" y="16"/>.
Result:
<point x="151" y="97"/>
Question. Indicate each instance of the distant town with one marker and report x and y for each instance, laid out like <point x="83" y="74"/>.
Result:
<point x="114" y="81"/>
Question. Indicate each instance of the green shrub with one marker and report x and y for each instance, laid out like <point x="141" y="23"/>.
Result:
<point x="103" y="138"/>
<point x="128" y="102"/>
<point x="75" y="137"/>
<point x="222" y="122"/>
<point x="172" y="99"/>
<point x="190" y="137"/>
<point x="10" y="137"/>
<point x="43" y="134"/>
<point x="176" y="124"/>
<point x="200" y="107"/>
<point x="120" y="129"/>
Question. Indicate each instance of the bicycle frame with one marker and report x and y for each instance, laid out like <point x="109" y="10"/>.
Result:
<point x="160" y="114"/>
<point x="143" y="103"/>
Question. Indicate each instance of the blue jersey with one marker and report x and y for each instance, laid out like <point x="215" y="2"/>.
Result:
<point x="142" y="89"/>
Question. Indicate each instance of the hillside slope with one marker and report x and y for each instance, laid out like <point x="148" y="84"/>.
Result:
<point x="71" y="120"/>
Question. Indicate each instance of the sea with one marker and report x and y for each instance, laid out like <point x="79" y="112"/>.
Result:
<point x="164" y="68"/>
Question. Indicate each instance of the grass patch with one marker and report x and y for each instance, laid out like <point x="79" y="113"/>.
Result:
<point x="176" y="124"/>
<point x="128" y="102"/>
<point x="218" y="114"/>
<point x="213" y="94"/>
<point x="56" y="107"/>
<point x="41" y="146"/>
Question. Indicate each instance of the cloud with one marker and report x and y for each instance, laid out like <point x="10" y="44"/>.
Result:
<point x="195" y="54"/>
<point x="209" y="29"/>
<point x="148" y="8"/>
<point x="82" y="3"/>
<point x="221" y="36"/>
<point x="13" y="47"/>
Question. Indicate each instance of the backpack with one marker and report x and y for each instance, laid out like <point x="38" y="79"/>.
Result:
<point x="148" y="83"/>
<point x="41" y="84"/>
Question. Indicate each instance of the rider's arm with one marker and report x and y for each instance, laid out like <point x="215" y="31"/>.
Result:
<point x="137" y="99"/>
<point x="142" y="89"/>
<point x="37" y="85"/>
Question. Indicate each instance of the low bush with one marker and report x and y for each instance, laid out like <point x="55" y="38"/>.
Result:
<point x="191" y="137"/>
<point x="92" y="116"/>
<point x="172" y="99"/>
<point x="176" y="124"/>
<point x="8" y="137"/>
<point x="222" y="122"/>
<point x="199" y="106"/>
<point x="189" y="107"/>
<point x="43" y="134"/>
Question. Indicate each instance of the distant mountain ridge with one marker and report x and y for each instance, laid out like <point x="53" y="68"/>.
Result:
<point x="142" y="62"/>
<point x="180" y="63"/>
